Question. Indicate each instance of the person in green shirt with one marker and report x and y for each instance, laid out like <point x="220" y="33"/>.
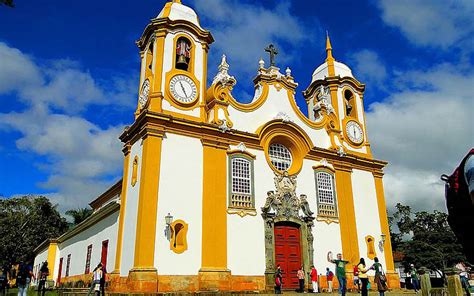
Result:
<point x="340" y="271"/>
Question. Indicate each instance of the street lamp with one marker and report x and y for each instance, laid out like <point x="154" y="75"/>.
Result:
<point x="168" y="220"/>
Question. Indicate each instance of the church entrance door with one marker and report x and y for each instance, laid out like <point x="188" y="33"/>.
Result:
<point x="288" y="252"/>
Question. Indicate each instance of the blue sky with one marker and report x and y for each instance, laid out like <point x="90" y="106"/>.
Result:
<point x="69" y="80"/>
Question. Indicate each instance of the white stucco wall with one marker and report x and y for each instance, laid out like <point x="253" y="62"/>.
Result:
<point x="180" y="194"/>
<point x="39" y="259"/>
<point x="105" y="229"/>
<point x="366" y="212"/>
<point x="276" y="102"/>
<point x="131" y="211"/>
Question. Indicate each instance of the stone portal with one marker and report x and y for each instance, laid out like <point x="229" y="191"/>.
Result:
<point x="288" y="236"/>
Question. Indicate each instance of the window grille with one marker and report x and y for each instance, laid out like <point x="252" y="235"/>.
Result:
<point x="241" y="195"/>
<point x="88" y="259"/>
<point x="325" y="194"/>
<point x="280" y="156"/>
<point x="68" y="264"/>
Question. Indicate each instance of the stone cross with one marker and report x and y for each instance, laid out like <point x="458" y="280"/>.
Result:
<point x="273" y="52"/>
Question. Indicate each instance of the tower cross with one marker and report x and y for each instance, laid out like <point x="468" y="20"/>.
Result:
<point x="273" y="52"/>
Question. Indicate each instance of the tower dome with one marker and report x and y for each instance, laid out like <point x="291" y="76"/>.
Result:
<point x="331" y="67"/>
<point x="175" y="10"/>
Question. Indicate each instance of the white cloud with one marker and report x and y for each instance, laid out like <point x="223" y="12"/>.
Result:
<point x="423" y="129"/>
<point x="431" y="23"/>
<point x="242" y="31"/>
<point x="368" y="67"/>
<point x="81" y="158"/>
<point x="61" y="84"/>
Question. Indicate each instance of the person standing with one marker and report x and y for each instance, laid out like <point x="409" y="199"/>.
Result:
<point x="23" y="278"/>
<point x="329" y="277"/>
<point x="300" y="275"/>
<point x="379" y="277"/>
<point x="464" y="276"/>
<point x="103" y="280"/>
<point x="340" y="271"/>
<point x="356" y="278"/>
<point x="44" y="272"/>
<point x="414" y="278"/>
<point x="364" y="278"/>
<point x="278" y="280"/>
<point x="96" y="276"/>
<point x="314" y="279"/>
<point x="3" y="281"/>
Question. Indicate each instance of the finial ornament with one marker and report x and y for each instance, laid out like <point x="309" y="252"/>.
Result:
<point x="328" y="48"/>
<point x="261" y="63"/>
<point x="271" y="49"/>
<point x="223" y="74"/>
<point x="288" y="71"/>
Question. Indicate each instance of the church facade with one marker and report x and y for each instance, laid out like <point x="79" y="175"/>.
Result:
<point x="216" y="193"/>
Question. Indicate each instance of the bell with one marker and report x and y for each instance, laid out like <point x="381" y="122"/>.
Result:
<point x="182" y="61"/>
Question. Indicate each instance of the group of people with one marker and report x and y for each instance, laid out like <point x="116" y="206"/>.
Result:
<point x="361" y="278"/>
<point x="23" y="275"/>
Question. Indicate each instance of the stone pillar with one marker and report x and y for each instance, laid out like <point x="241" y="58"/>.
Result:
<point x="454" y="282"/>
<point x="425" y="281"/>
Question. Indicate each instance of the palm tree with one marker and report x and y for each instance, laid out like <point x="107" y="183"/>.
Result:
<point x="79" y="214"/>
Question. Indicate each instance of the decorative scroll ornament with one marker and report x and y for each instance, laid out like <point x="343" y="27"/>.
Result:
<point x="341" y="152"/>
<point x="324" y="103"/>
<point x="283" y="116"/>
<point x="241" y="147"/>
<point x="284" y="202"/>
<point x="217" y="97"/>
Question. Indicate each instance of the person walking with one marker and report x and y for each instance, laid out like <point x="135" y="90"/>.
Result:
<point x="300" y="275"/>
<point x="364" y="278"/>
<point x="23" y="278"/>
<point x="314" y="279"/>
<point x="464" y="276"/>
<point x="329" y="277"/>
<point x="340" y="271"/>
<point x="3" y="281"/>
<point x="278" y="280"/>
<point x="96" y="276"/>
<point x="380" y="279"/>
<point x="44" y="272"/>
<point x="414" y="278"/>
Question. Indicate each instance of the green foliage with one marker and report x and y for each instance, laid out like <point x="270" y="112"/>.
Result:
<point x="25" y="222"/>
<point x="425" y="239"/>
<point x="79" y="214"/>
<point x="7" y="3"/>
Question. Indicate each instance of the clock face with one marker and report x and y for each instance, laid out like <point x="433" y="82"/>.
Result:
<point x="183" y="89"/>
<point x="144" y="92"/>
<point x="354" y="132"/>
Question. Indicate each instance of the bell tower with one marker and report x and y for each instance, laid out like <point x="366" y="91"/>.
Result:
<point x="335" y="101"/>
<point x="173" y="50"/>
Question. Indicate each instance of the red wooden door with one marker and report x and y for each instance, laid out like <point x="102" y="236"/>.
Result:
<point x="103" y="256"/>
<point x="59" y="271"/>
<point x="288" y="253"/>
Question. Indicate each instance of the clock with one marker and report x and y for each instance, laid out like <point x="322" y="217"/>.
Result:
<point x="183" y="89"/>
<point x="354" y="132"/>
<point x="144" y="92"/>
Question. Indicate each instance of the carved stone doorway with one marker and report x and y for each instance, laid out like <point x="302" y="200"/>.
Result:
<point x="282" y="208"/>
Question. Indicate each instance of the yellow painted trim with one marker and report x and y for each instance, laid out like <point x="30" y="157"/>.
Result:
<point x="214" y="206"/>
<point x="370" y="242"/>
<point x="236" y="152"/>
<point x="52" y="250"/>
<point x="182" y="115"/>
<point x="347" y="219"/>
<point x="167" y="9"/>
<point x="123" y="202"/>
<point x="291" y="136"/>
<point x="148" y="201"/>
<point x="255" y="104"/>
<point x="134" y="171"/>
<point x="327" y="169"/>
<point x="205" y="51"/>
<point x="302" y="117"/>
<point x="329" y="58"/>
<point x="182" y="244"/>
<point x="384" y="221"/>
<point x="155" y="86"/>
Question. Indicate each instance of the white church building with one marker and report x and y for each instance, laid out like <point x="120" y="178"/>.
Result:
<point x="216" y="193"/>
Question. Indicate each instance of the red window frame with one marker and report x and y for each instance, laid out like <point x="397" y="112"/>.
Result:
<point x="88" y="259"/>
<point x="68" y="264"/>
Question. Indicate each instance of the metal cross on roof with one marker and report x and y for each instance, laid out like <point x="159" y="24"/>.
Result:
<point x="273" y="52"/>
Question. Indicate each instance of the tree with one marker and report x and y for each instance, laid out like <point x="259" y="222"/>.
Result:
<point x="426" y="239"/>
<point x="7" y="3"/>
<point x="25" y="222"/>
<point x="79" y="214"/>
